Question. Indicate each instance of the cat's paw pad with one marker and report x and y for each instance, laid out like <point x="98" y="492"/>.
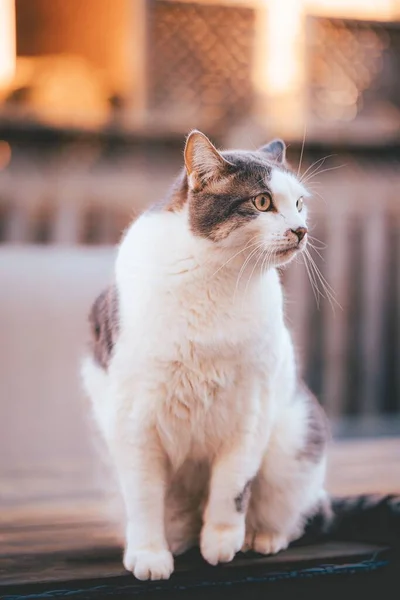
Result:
<point x="269" y="543"/>
<point x="220" y="543"/>
<point x="149" y="564"/>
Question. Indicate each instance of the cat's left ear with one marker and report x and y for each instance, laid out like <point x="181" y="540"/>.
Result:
<point x="276" y="151"/>
<point x="202" y="160"/>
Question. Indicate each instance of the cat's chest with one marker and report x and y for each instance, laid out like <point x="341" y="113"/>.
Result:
<point x="205" y="396"/>
<point x="215" y="319"/>
<point x="200" y="375"/>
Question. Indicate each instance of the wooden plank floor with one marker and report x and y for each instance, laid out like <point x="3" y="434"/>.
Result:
<point x="50" y="538"/>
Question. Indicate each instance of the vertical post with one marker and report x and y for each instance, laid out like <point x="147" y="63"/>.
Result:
<point x="136" y="50"/>
<point x="397" y="296"/>
<point x="68" y="218"/>
<point x="278" y="73"/>
<point x="374" y="275"/>
<point x="300" y="303"/>
<point x="7" y="43"/>
<point x="336" y="317"/>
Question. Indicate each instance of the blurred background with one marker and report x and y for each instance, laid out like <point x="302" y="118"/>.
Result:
<point x="95" y="100"/>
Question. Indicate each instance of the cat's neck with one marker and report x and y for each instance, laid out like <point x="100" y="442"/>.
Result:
<point x="208" y="272"/>
<point x="160" y="247"/>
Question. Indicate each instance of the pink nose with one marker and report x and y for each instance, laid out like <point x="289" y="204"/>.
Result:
<point x="300" y="232"/>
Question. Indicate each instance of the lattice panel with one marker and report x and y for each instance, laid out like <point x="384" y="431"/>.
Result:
<point x="200" y="62"/>
<point x="354" y="68"/>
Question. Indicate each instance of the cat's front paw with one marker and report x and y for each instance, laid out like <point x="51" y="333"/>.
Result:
<point x="269" y="543"/>
<point x="220" y="543"/>
<point x="149" y="564"/>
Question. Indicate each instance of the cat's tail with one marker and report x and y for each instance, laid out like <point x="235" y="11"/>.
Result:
<point x="367" y="518"/>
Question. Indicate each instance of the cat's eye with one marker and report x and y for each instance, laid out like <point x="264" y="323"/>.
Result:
<point x="263" y="202"/>
<point x="299" y="204"/>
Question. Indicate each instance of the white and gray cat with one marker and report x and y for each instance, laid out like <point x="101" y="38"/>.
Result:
<point x="192" y="373"/>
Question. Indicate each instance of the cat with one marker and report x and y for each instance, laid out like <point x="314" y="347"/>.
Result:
<point x="192" y="373"/>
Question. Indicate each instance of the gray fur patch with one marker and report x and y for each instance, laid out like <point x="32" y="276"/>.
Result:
<point x="242" y="500"/>
<point x="222" y="203"/>
<point x="178" y="195"/>
<point x="317" y="428"/>
<point x="104" y="325"/>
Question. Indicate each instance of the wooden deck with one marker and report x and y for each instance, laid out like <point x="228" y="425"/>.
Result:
<point x="55" y="544"/>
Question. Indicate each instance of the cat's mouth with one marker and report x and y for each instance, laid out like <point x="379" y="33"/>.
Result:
<point x="289" y="250"/>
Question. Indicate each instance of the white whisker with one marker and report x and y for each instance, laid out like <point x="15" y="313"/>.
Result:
<point x="319" y="195"/>
<point x="254" y="267"/>
<point x="320" y="160"/>
<point x="243" y="267"/>
<point x="302" y="150"/>
<point x="330" y="294"/>
<point x="313" y="283"/>
<point x="322" y="245"/>
<point x="310" y="245"/>
<point x="323" y="171"/>
<point x="237" y="253"/>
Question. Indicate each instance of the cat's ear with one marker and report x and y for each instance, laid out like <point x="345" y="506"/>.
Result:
<point x="276" y="151"/>
<point x="202" y="159"/>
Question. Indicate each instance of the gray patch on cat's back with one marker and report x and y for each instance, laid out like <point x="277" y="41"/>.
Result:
<point x="104" y="325"/>
<point x="177" y="197"/>
<point x="317" y="433"/>
<point x="242" y="500"/>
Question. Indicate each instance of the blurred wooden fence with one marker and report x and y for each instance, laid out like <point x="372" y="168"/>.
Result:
<point x="349" y="353"/>
<point x="351" y="348"/>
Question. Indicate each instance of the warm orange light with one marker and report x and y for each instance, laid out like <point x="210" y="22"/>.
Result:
<point x="356" y="9"/>
<point x="284" y="24"/>
<point x="7" y="42"/>
<point x="5" y="154"/>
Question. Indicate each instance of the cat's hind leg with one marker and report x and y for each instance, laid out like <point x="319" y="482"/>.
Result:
<point x="289" y="486"/>
<point x="280" y="506"/>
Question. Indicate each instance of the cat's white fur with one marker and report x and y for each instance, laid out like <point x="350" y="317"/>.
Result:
<point x="201" y="395"/>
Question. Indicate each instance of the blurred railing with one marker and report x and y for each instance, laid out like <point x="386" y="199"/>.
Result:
<point x="352" y="87"/>
<point x="233" y="68"/>
<point x="351" y="344"/>
<point x="349" y="351"/>
<point x="172" y="65"/>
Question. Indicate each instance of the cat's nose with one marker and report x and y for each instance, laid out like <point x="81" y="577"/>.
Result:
<point x="300" y="232"/>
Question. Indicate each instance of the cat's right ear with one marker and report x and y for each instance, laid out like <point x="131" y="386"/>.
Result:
<point x="202" y="160"/>
<point x="276" y="151"/>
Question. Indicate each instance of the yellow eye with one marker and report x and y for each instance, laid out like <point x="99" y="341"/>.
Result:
<point x="299" y="204"/>
<point x="263" y="202"/>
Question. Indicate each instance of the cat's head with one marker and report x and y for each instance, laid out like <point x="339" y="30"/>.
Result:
<point x="237" y="198"/>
